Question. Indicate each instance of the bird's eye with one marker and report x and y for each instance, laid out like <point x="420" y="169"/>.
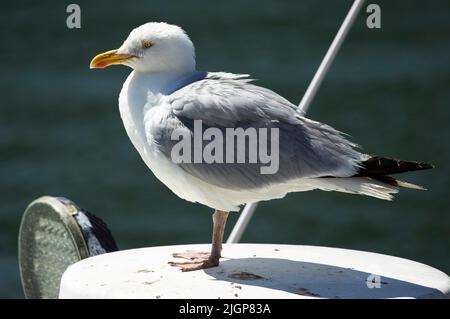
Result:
<point x="146" y="44"/>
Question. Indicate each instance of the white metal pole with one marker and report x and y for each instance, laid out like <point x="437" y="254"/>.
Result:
<point x="329" y="57"/>
<point x="242" y="223"/>
<point x="317" y="80"/>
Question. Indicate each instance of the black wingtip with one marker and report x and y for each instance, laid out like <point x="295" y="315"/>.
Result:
<point x="377" y="165"/>
<point x="426" y="165"/>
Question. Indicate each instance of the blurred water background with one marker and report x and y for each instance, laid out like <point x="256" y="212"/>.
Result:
<point x="61" y="134"/>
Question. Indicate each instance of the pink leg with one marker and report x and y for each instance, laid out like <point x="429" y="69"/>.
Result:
<point x="201" y="260"/>
<point x="192" y="255"/>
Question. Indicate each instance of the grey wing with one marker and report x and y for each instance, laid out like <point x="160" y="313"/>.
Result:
<point x="306" y="148"/>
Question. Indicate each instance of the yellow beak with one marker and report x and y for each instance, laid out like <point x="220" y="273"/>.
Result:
<point x="108" y="58"/>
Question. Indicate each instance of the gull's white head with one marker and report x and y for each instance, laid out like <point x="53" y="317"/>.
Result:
<point x="152" y="47"/>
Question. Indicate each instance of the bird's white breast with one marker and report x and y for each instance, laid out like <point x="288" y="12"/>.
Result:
<point x="141" y="107"/>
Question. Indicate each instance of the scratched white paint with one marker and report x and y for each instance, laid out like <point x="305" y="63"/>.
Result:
<point x="253" y="271"/>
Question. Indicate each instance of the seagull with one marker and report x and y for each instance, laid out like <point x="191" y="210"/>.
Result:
<point x="165" y="95"/>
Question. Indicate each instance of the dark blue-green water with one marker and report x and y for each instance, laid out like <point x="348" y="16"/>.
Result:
<point x="61" y="134"/>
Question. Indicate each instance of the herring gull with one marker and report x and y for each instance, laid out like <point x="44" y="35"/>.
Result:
<point x="165" y="96"/>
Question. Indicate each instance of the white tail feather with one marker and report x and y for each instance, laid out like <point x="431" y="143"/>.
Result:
<point x="356" y="185"/>
<point x="410" y="185"/>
